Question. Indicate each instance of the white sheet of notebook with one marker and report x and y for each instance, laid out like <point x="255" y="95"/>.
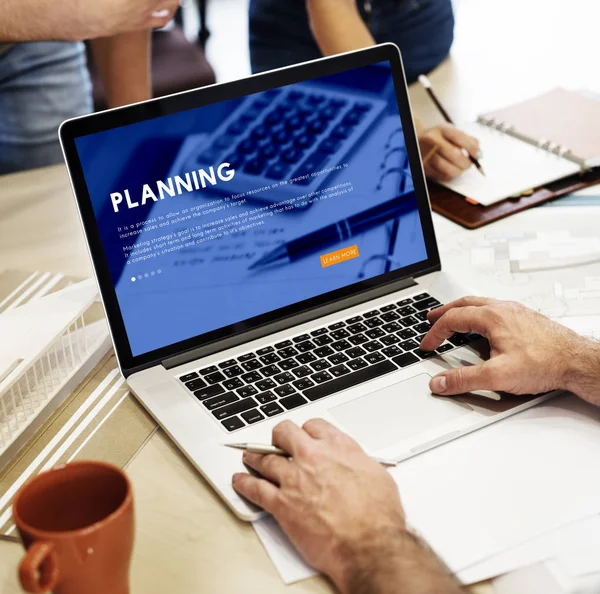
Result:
<point x="511" y="167"/>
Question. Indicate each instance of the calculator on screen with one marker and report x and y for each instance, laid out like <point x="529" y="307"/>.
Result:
<point x="294" y="133"/>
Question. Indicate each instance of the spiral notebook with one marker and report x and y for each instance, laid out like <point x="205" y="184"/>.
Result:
<point x="531" y="144"/>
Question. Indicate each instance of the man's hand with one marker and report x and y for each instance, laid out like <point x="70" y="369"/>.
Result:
<point x="74" y="20"/>
<point x="449" y="159"/>
<point x="529" y="353"/>
<point x="342" y="511"/>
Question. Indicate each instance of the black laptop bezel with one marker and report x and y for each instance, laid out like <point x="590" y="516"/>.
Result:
<point x="99" y="122"/>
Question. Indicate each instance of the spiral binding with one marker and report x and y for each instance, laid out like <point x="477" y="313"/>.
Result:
<point x="400" y="166"/>
<point x="543" y="143"/>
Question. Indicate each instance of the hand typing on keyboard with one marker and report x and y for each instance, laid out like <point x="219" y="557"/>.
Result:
<point x="342" y="511"/>
<point x="310" y="366"/>
<point x="530" y="354"/>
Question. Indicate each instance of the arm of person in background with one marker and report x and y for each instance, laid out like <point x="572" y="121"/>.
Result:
<point x="123" y="62"/>
<point x="76" y="20"/>
<point x="343" y="513"/>
<point x="338" y="27"/>
<point x="529" y="353"/>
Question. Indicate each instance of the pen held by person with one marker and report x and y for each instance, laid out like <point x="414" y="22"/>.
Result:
<point x="429" y="89"/>
<point x="257" y="448"/>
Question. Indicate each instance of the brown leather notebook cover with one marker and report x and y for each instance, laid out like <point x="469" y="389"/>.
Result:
<point x="454" y="206"/>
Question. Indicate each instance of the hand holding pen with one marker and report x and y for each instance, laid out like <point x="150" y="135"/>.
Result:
<point x="457" y="151"/>
<point x="264" y="449"/>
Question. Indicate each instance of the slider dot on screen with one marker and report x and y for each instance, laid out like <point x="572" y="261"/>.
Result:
<point x="146" y="275"/>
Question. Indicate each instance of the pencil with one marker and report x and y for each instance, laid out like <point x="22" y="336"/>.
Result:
<point x="257" y="448"/>
<point x="427" y="86"/>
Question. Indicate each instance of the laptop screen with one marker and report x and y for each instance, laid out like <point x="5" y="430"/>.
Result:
<point x="212" y="216"/>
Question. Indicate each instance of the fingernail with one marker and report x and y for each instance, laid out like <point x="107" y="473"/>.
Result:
<point x="438" y="384"/>
<point x="235" y="478"/>
<point x="479" y="155"/>
<point x="245" y="456"/>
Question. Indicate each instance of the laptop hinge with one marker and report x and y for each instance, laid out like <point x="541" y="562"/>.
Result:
<point x="285" y="323"/>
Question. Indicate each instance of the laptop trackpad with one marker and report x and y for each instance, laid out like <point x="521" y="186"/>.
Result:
<point x="397" y="412"/>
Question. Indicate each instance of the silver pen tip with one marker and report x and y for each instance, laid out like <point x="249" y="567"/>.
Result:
<point x="236" y="446"/>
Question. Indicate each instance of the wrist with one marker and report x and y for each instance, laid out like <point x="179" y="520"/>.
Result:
<point x="364" y="557"/>
<point x="403" y="564"/>
<point x="582" y="373"/>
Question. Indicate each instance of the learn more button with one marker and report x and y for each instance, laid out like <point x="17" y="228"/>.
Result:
<point x="347" y="253"/>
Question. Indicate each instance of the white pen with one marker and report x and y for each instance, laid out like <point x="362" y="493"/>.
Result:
<point x="258" y="448"/>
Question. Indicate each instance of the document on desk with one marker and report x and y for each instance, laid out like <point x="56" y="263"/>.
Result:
<point x="575" y="546"/>
<point x="289" y="564"/>
<point x="548" y="262"/>
<point x="547" y="577"/>
<point x="489" y="491"/>
<point x="511" y="167"/>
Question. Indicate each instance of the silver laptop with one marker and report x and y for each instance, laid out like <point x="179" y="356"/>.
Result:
<point x="265" y="251"/>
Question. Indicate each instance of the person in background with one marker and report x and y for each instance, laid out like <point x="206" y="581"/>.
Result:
<point x="43" y="73"/>
<point x="342" y="510"/>
<point x="284" y="33"/>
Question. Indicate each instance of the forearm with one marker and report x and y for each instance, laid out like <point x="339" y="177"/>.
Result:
<point x="404" y="564"/>
<point x="34" y="20"/>
<point x="583" y="372"/>
<point x="123" y="63"/>
<point x="337" y="26"/>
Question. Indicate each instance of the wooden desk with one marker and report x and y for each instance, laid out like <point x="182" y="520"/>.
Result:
<point x="187" y="541"/>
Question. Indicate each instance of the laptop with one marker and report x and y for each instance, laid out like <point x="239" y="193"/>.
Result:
<point x="265" y="251"/>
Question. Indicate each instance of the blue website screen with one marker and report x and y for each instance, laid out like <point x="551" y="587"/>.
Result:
<point x="218" y="214"/>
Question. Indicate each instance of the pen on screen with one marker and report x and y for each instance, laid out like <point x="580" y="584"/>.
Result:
<point x="427" y="86"/>
<point x="340" y="231"/>
<point x="257" y="448"/>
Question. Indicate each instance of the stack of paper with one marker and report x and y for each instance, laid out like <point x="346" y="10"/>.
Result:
<point x="520" y="491"/>
<point x="546" y="577"/>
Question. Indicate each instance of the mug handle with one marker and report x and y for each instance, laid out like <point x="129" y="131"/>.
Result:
<point x="34" y="577"/>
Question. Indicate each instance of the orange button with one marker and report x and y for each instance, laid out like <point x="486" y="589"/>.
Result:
<point x="347" y="253"/>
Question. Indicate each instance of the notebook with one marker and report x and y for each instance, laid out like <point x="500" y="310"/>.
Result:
<point x="531" y="144"/>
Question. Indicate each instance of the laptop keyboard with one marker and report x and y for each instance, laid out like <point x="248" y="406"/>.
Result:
<point x="277" y="378"/>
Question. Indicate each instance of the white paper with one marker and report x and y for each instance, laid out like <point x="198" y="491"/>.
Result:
<point x="481" y="256"/>
<point x="511" y="167"/>
<point x="534" y="579"/>
<point x="489" y="491"/>
<point x="576" y="545"/>
<point x="583" y="559"/>
<point x="289" y="564"/>
<point x="569" y="584"/>
<point x="548" y="577"/>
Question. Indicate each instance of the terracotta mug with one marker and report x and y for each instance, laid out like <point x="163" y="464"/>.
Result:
<point x="76" y="522"/>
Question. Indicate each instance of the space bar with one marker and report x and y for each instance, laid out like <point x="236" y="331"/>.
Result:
<point x="350" y="380"/>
